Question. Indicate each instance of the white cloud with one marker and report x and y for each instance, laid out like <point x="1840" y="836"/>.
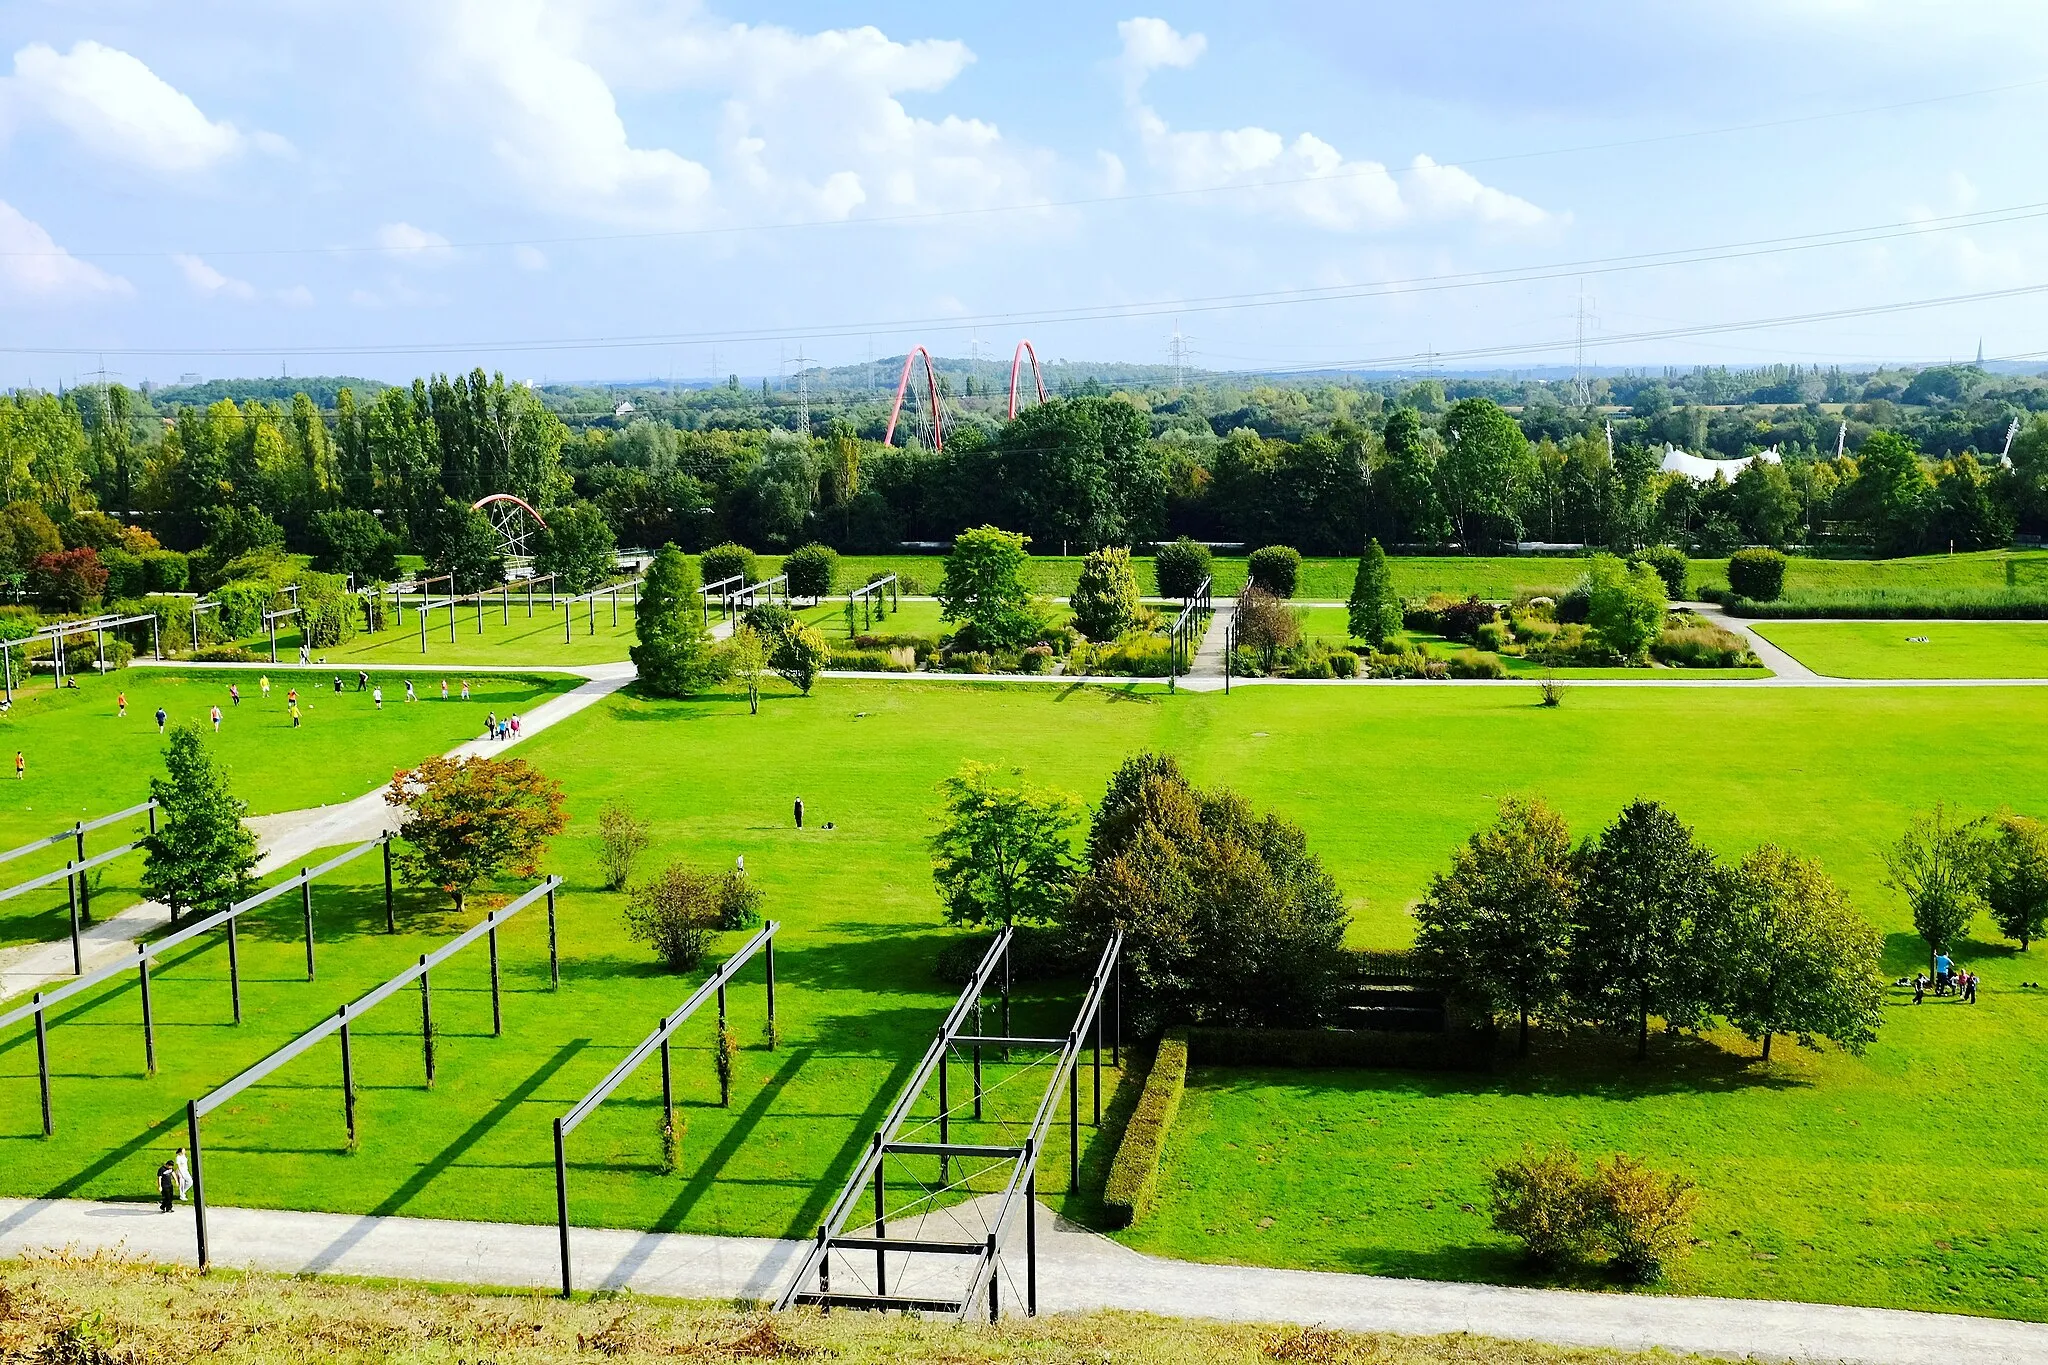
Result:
<point x="1150" y="44"/>
<point x="120" y="109"/>
<point x="34" y="267"/>
<point x="804" y="125"/>
<point x="403" y="239"/>
<point x="204" y="279"/>
<point x="1306" y="178"/>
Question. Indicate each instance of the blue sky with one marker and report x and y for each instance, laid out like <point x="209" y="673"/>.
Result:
<point x="620" y="188"/>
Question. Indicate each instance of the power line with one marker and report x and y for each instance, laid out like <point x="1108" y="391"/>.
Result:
<point x="1041" y="206"/>
<point x="1608" y="265"/>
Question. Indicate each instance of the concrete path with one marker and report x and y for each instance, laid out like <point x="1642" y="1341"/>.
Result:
<point x="285" y="840"/>
<point x="1206" y="673"/>
<point x="1078" y="1271"/>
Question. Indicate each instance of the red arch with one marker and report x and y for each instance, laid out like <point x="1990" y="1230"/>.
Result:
<point x="489" y="498"/>
<point x="1025" y="348"/>
<point x="931" y="383"/>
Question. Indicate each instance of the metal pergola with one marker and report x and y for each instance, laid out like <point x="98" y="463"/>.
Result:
<point x="589" y="599"/>
<point x="40" y="1003"/>
<point x="868" y="599"/>
<point x="725" y="589"/>
<point x="76" y="887"/>
<point x="339" y="1022"/>
<point x="920" y="1289"/>
<point x="750" y="596"/>
<point x="96" y="626"/>
<point x="763" y="942"/>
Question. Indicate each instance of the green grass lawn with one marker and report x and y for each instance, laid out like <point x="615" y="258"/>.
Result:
<point x="502" y="642"/>
<point x="1915" y="649"/>
<point x="1384" y="781"/>
<point x="85" y="761"/>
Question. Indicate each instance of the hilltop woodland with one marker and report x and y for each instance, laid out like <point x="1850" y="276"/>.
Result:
<point x="111" y="493"/>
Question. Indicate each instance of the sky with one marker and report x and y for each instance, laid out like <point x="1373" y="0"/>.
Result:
<point x="618" y="189"/>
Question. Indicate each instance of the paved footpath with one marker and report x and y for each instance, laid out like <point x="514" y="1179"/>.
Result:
<point x="1078" y="1271"/>
<point x="285" y="840"/>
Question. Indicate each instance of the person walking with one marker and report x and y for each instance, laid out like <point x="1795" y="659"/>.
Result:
<point x="295" y="715"/>
<point x="409" y="694"/>
<point x="799" y="812"/>
<point x="292" y="697"/>
<point x="166" y="1187"/>
<point x="1969" y="988"/>
<point x="444" y="689"/>
<point x="121" y="703"/>
<point x="161" y="718"/>
<point x="20" y="765"/>
<point x="305" y="651"/>
<point x="181" y="1171"/>
<point x="465" y="689"/>
<point x="235" y="693"/>
<point x="263" y="686"/>
<point x="362" y="679"/>
<point x="377" y="696"/>
<point x="216" y="719"/>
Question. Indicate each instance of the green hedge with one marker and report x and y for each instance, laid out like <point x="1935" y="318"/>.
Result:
<point x="1880" y="604"/>
<point x="1134" y="1175"/>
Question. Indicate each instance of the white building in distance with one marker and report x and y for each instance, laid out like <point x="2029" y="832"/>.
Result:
<point x="1702" y="470"/>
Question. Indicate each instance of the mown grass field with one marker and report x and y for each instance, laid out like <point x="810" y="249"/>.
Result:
<point x="87" y="1309"/>
<point x="1915" y="649"/>
<point x="505" y="640"/>
<point x="84" y="760"/>
<point x="1930" y="1139"/>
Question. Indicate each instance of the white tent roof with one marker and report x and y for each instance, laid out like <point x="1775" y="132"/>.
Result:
<point x="1701" y="470"/>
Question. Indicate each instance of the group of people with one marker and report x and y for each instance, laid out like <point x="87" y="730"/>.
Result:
<point x="173" y="1182"/>
<point x="363" y="684"/>
<point x="1947" y="980"/>
<point x="506" y="729"/>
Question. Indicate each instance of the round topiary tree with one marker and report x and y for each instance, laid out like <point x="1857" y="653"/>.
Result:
<point x="1276" y="568"/>
<point x="1105" y="601"/>
<point x="1671" y="565"/>
<point x="813" y="571"/>
<point x="1181" y="566"/>
<point x="721" y="562"/>
<point x="1758" y="575"/>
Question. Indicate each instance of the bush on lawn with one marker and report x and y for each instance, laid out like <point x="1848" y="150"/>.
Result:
<point x="1134" y="1174"/>
<point x="1757" y="574"/>
<point x="1180" y="567"/>
<point x="1470" y="663"/>
<point x="1701" y="644"/>
<point x="679" y="909"/>
<point x="1105" y="600"/>
<point x="1671" y="565"/>
<point x="1275" y="568"/>
<point x="1640" y="1218"/>
<point x="1545" y="1200"/>
<point x="1462" y="620"/>
<point x="729" y="560"/>
<point x="813" y="571"/>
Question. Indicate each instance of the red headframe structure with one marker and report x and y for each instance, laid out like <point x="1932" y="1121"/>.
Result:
<point x="1025" y="348"/>
<point x="931" y="384"/>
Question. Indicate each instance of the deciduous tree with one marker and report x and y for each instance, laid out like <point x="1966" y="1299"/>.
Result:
<point x="1938" y="866"/>
<point x="1004" y="853"/>
<point x="2016" y="878"/>
<point x="201" y="856"/>
<point x="468" y="820"/>
<point x="1645" y="889"/>
<point x="1794" y="957"/>
<point x="985" y="590"/>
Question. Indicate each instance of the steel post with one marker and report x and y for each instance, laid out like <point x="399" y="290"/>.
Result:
<point x="306" y="905"/>
<point x="1031" y="1241"/>
<point x="562" y="1206"/>
<point x="426" y="1019"/>
<point x="881" y="1224"/>
<point x="1098" y="1064"/>
<point x="390" y="910"/>
<point x="234" y="971"/>
<point x="995" y="1278"/>
<point x="1073" y="1123"/>
<point x="198" y="1178"/>
<point x="554" y="960"/>
<point x="668" y="1092"/>
<point x="348" y="1080"/>
<point x="769" y="949"/>
<point x="43" y="1060"/>
<point x="497" y="1010"/>
<point x="148" y="1016"/>
<point x="71" y="882"/>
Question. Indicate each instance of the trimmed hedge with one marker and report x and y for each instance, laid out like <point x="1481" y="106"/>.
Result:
<point x="1134" y="1175"/>
<point x="1883" y="604"/>
<point x="1758" y="574"/>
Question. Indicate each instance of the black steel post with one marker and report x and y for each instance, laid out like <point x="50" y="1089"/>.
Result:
<point x="881" y="1224"/>
<point x="84" y="887"/>
<point x="348" y="1079"/>
<point x="148" y="1016"/>
<point x="152" y="817"/>
<point x="995" y="1278"/>
<point x="977" y="1060"/>
<point x="1031" y="1240"/>
<point x="234" y="971"/>
<point x="554" y="960"/>
<point x="1006" y="999"/>
<point x="198" y="1177"/>
<point x="1116" y="1033"/>
<point x="43" y="1060"/>
<point x="668" y="1092"/>
<point x="71" y="882"/>
<point x="1098" y="1064"/>
<point x="769" y="949"/>
<point x="945" y="1106"/>
<point x="426" y="1019"/>
<point x="724" y="1072"/>
<point x="562" y="1206"/>
<point x="497" y="1012"/>
<point x="306" y="905"/>
<point x="1073" y="1123"/>
<point x="390" y="908"/>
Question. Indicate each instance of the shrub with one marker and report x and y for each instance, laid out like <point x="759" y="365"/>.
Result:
<point x="224" y="654"/>
<point x="1462" y="620"/>
<point x="622" y="837"/>
<point x="1671" y="565"/>
<point x="350" y="540"/>
<point x="1757" y="574"/>
<point x="1180" y="567"/>
<point x="125" y="577"/>
<point x="165" y="571"/>
<point x="81" y="655"/>
<point x="859" y="660"/>
<point x="813" y="571"/>
<point x="1036" y="659"/>
<point x="68" y="580"/>
<point x="1105" y="600"/>
<point x="1625" y="605"/>
<point x="800" y="655"/>
<point x="1701" y="644"/>
<point x="1266" y="625"/>
<point x="1134" y="1174"/>
<point x="1493" y="635"/>
<point x="1134" y="656"/>
<point x="1644" y="1217"/>
<point x="1545" y="1200"/>
<point x="738" y="902"/>
<point x="1343" y="663"/>
<point x="1470" y="663"/>
<point x="725" y="561"/>
<point x="675" y="914"/>
<point x="1576" y="605"/>
<point x="1275" y="568"/>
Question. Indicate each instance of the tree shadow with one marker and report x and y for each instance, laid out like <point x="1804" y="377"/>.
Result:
<point x="1906" y="953"/>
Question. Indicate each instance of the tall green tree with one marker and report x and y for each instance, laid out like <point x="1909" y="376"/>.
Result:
<point x="1938" y="866"/>
<point x="1890" y="493"/>
<point x="984" y="588"/>
<point x="577" y="547"/>
<point x="1794" y="957"/>
<point x="1646" y="891"/>
<point x="1485" y="463"/>
<point x="1626" y="607"/>
<point x="674" y="655"/>
<point x="201" y="856"/>
<point x="2016" y="878"/>
<point x="466" y="546"/>
<point x="1409" y="476"/>
<point x="1499" y="923"/>
<point x="1374" y="610"/>
<point x="1105" y="601"/>
<point x="1004" y="852"/>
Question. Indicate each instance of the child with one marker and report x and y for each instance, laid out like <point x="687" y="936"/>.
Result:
<point x="465" y="689"/>
<point x="444" y="689"/>
<point x="295" y="715"/>
<point x="20" y="765"/>
<point x="377" y="695"/>
<point x="216" y="720"/>
<point x="263" y="686"/>
<point x="409" y="696"/>
<point x="235" y="693"/>
<point x="121" y="702"/>
<point x="166" y="1187"/>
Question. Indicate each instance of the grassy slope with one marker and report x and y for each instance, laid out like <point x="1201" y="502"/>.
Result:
<point x="84" y="762"/>
<point x="1385" y="781"/>
<point x="505" y="643"/>
<point x="1887" y="649"/>
<point x="57" y="1310"/>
